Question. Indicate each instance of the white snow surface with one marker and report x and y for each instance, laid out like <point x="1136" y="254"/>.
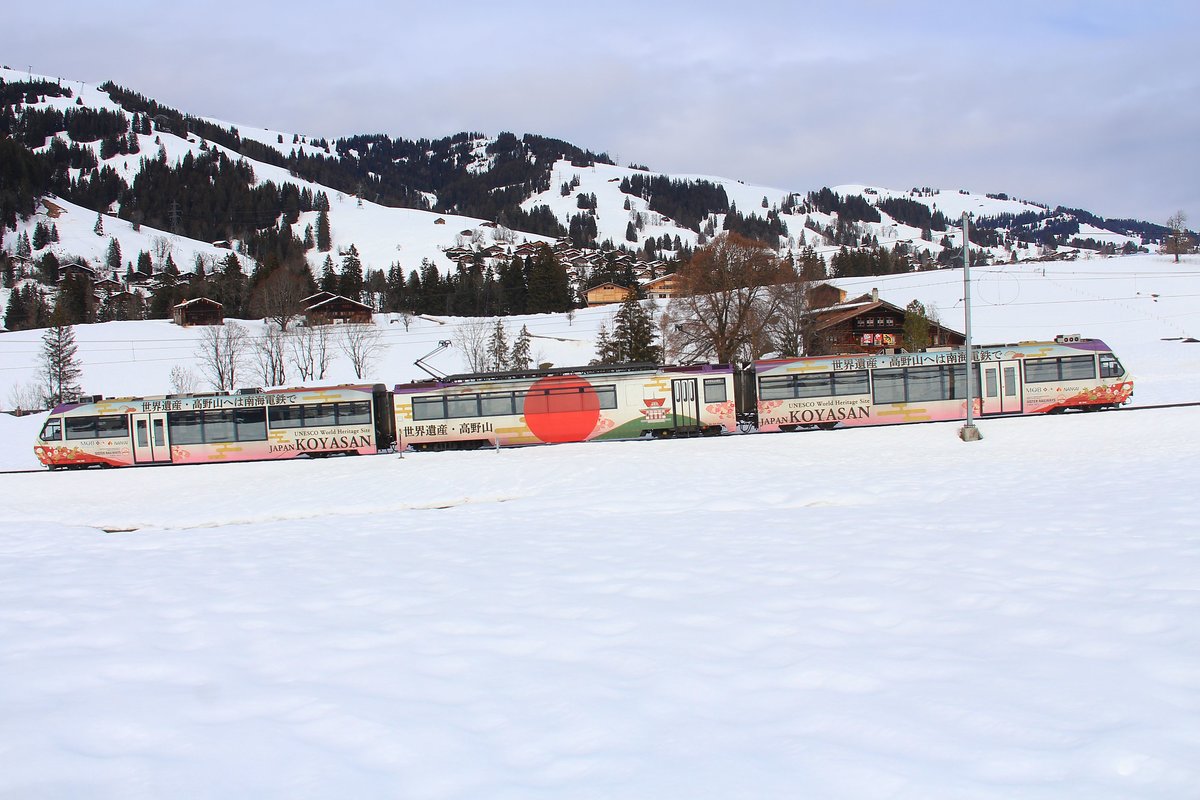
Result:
<point x="868" y="613"/>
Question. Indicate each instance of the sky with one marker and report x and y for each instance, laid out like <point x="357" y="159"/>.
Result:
<point x="1084" y="104"/>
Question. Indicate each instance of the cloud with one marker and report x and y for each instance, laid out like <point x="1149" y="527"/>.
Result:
<point x="1090" y="104"/>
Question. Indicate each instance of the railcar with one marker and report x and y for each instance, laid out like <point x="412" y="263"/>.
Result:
<point x="564" y="405"/>
<point x="1007" y="379"/>
<point x="585" y="403"/>
<point x="248" y="425"/>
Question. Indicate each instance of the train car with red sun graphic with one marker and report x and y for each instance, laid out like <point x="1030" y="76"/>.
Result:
<point x="565" y="405"/>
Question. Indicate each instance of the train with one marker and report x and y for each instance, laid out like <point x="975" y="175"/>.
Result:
<point x="597" y="402"/>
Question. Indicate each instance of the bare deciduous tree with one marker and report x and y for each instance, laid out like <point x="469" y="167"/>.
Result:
<point x="363" y="345"/>
<point x="310" y="352"/>
<point x="726" y="300"/>
<point x="1177" y="241"/>
<point x="221" y="354"/>
<point x="24" y="397"/>
<point x="472" y="337"/>
<point x="183" y="380"/>
<point x="162" y="247"/>
<point x="277" y="297"/>
<point x="269" y="357"/>
<point x="792" y="327"/>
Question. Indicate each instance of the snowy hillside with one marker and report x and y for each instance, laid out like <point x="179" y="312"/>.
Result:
<point x="386" y="235"/>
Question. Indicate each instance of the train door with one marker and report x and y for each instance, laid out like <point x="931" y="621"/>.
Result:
<point x="685" y="404"/>
<point x="150" y="440"/>
<point x="1001" y="387"/>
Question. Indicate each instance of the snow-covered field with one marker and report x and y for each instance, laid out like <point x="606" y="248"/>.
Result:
<point x="868" y="613"/>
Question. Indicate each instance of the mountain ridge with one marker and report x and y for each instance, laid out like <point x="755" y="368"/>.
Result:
<point x="413" y="201"/>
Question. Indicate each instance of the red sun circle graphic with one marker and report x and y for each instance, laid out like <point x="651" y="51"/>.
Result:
<point x="562" y="408"/>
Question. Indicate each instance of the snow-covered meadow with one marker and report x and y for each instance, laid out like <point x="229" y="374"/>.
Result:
<point x="867" y="613"/>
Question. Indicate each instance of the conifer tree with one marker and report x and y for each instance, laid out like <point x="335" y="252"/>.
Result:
<point x="113" y="259"/>
<point x="497" y="352"/>
<point x="324" y="238"/>
<point x="16" y="313"/>
<point x="633" y="333"/>
<point x="521" y="356"/>
<point x="98" y="228"/>
<point x="60" y="368"/>
<point x="329" y="278"/>
<point x="231" y="286"/>
<point x="351" y="282"/>
<point x="604" y="347"/>
<point x="916" y="327"/>
<point x="41" y="236"/>
<point x="549" y="288"/>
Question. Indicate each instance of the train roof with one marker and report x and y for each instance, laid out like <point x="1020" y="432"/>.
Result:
<point x="238" y="393"/>
<point x="534" y="374"/>
<point x="1073" y="341"/>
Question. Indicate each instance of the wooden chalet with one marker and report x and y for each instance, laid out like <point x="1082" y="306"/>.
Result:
<point x="663" y="288"/>
<point x="313" y="299"/>
<point x="824" y="295"/>
<point x="337" y="310"/>
<point x="198" y="311"/>
<point x="607" y="293"/>
<point x="107" y="286"/>
<point x="76" y="268"/>
<point x="868" y="324"/>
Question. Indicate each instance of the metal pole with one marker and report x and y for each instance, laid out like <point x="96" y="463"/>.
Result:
<point x="968" y="433"/>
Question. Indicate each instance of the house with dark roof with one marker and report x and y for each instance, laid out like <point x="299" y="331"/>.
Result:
<point x="337" y="310"/>
<point x="198" y="311"/>
<point x="867" y="324"/>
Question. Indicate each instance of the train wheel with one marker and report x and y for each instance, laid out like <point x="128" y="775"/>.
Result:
<point x="789" y="428"/>
<point x="826" y="426"/>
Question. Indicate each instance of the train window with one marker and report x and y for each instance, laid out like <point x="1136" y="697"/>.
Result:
<point x="185" y="427"/>
<point x="112" y="426"/>
<point x="819" y="385"/>
<point x="463" y="406"/>
<point x="286" y="416"/>
<point x="889" y="385"/>
<point x="428" y="408"/>
<point x="1041" y="370"/>
<point x="569" y="398"/>
<point x="958" y="382"/>
<point x="496" y="404"/>
<point x="1078" y="368"/>
<point x="1110" y="367"/>
<point x="217" y="426"/>
<point x="607" y="396"/>
<point x="851" y="382"/>
<point x="81" y="427"/>
<point x="715" y="390"/>
<point x="924" y="384"/>
<point x="356" y="413"/>
<point x="250" y="424"/>
<point x="779" y="388"/>
<point x="52" y="431"/>
<point x="320" y="415"/>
